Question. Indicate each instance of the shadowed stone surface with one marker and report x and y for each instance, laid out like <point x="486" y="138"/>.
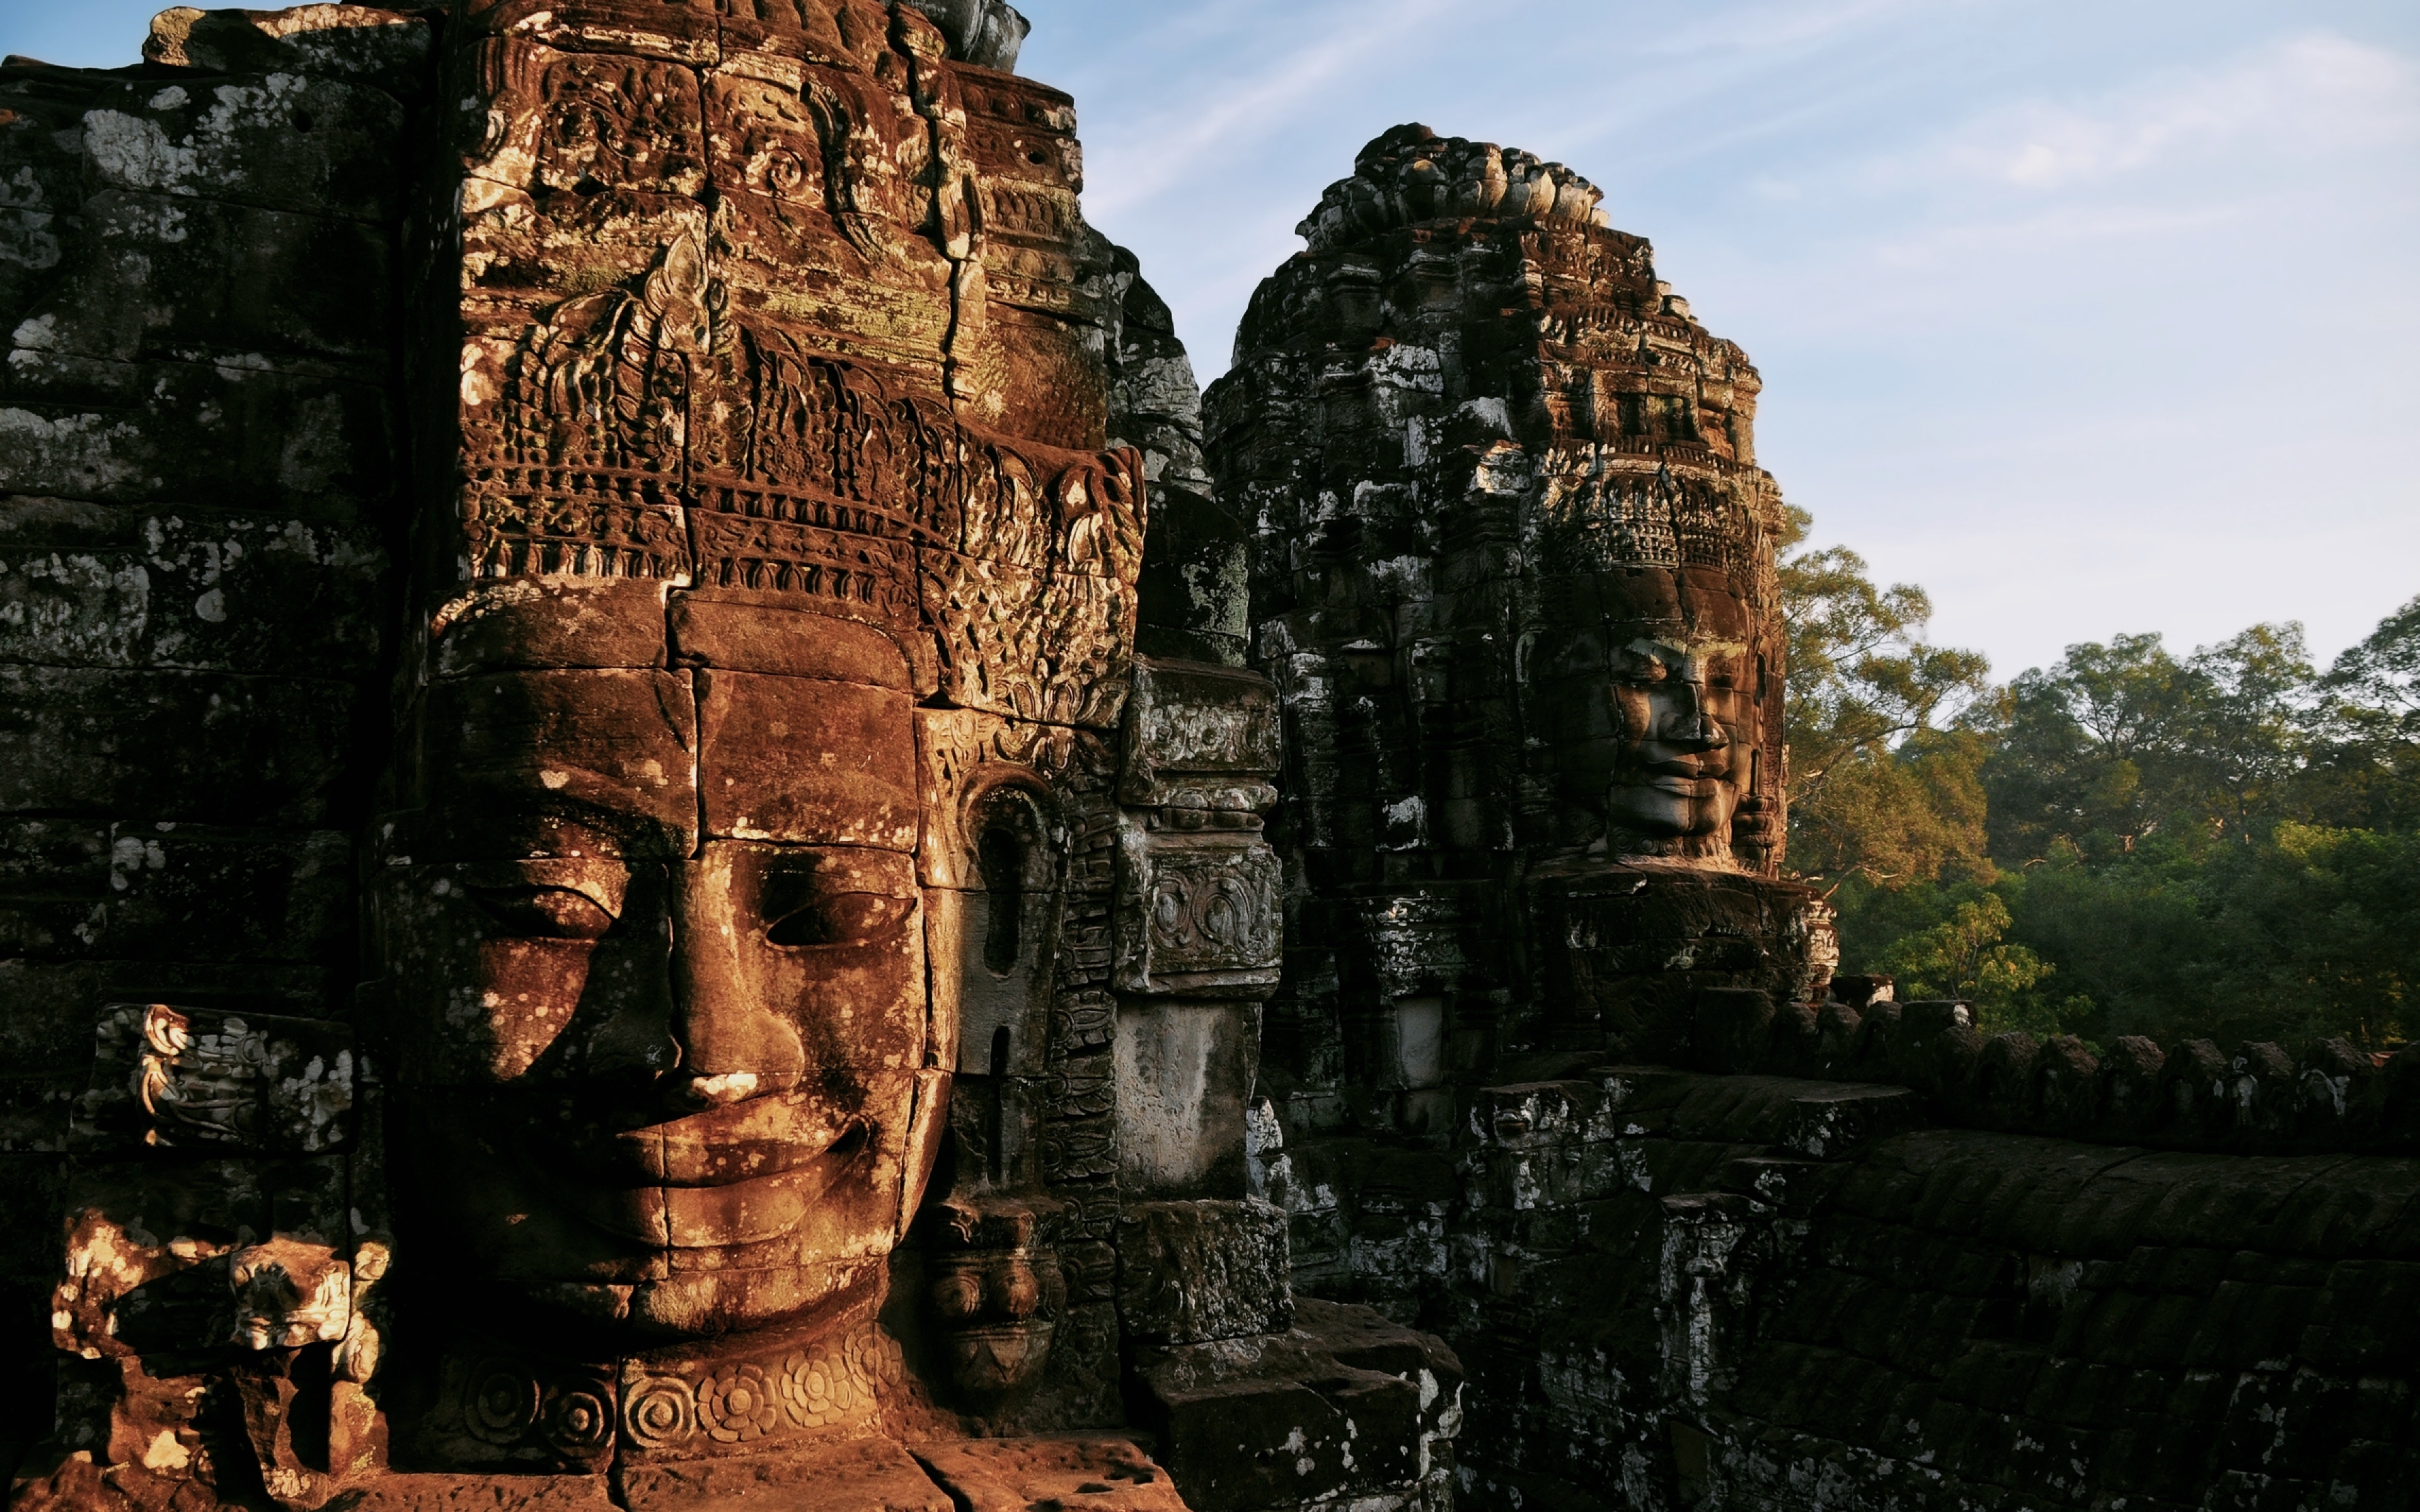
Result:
<point x="1511" y="575"/>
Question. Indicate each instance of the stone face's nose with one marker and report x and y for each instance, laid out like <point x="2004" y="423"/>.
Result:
<point x="734" y="1044"/>
<point x="721" y="1091"/>
<point x="1686" y="720"/>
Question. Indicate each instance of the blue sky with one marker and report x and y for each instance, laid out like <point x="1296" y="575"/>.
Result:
<point x="2089" y="318"/>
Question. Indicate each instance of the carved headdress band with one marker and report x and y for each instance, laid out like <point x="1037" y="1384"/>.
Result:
<point x="1602" y="521"/>
<point x="646" y="432"/>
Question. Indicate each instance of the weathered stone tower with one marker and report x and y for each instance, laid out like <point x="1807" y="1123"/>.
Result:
<point x="1514" y="580"/>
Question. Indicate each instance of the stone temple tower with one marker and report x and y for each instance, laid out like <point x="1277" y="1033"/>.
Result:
<point x="1514" y="577"/>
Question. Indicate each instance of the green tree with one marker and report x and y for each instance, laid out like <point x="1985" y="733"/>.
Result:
<point x="2364" y="766"/>
<point x="1879" y="787"/>
<point x="2381" y="675"/>
<point x="1969" y="956"/>
<point x="2083" y="753"/>
<point x="2120" y="742"/>
<point x="2245" y="728"/>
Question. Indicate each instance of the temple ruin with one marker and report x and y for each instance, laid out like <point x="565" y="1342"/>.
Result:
<point x="682" y="829"/>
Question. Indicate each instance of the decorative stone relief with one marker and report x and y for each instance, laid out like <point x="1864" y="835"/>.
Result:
<point x="1201" y="915"/>
<point x="200" y="1078"/>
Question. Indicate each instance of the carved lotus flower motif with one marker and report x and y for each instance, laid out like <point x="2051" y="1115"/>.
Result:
<point x="817" y="1387"/>
<point x="739" y="1404"/>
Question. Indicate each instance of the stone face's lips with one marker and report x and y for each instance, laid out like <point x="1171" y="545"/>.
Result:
<point x="721" y="1146"/>
<point x="748" y="1140"/>
<point x="1685" y="787"/>
<point x="1693" y="774"/>
<point x="739" y="1212"/>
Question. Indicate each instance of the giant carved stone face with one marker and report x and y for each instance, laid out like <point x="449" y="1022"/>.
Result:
<point x="1648" y="685"/>
<point x="667" y="1017"/>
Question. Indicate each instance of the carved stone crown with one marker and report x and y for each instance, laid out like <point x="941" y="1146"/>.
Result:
<point x="1411" y="175"/>
<point x="1616" y="519"/>
<point x="650" y="432"/>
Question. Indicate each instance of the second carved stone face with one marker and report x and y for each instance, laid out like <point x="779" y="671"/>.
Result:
<point x="672" y="1079"/>
<point x="1648" y="689"/>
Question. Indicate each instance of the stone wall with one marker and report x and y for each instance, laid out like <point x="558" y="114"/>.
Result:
<point x="1679" y="1290"/>
<point x="200" y="449"/>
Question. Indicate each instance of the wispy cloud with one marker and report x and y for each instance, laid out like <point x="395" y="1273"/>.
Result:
<point x="2315" y="93"/>
<point x="1793" y="24"/>
<point x="1211" y="116"/>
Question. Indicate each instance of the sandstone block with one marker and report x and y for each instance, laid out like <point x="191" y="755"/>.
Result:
<point x="100" y="585"/>
<point x="183" y="892"/>
<point x="388" y="47"/>
<point x="218" y="436"/>
<point x="1342" y="1405"/>
<point x="874" y="1474"/>
<point x="161" y="275"/>
<point x="1188" y="1272"/>
<point x="1199" y="913"/>
<point x="279" y="141"/>
<point x="1078" y="1474"/>
<point x="1184" y="1076"/>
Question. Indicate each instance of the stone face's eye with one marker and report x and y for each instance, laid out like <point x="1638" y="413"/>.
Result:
<point x="544" y="913"/>
<point x="837" y="918"/>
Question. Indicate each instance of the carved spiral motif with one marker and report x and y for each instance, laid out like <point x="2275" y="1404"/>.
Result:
<point x="785" y="172"/>
<point x="657" y="1414"/>
<point x="501" y="1403"/>
<point x="578" y="1421"/>
<point x="737" y="1404"/>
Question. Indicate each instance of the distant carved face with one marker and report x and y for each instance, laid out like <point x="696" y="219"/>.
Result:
<point x="1651" y="706"/>
<point x="663" y="1016"/>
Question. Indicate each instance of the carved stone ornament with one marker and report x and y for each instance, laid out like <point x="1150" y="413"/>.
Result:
<point x="200" y="1078"/>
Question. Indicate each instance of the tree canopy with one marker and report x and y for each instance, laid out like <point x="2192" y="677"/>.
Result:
<point x="2221" y="842"/>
